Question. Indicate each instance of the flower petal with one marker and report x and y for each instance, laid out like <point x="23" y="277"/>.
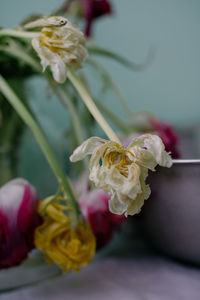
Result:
<point x="88" y="147"/>
<point x="56" y="21"/>
<point x="49" y="58"/>
<point x="117" y="205"/>
<point x="149" y="150"/>
<point x="11" y="195"/>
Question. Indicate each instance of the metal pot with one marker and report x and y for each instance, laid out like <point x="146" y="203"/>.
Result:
<point x="170" y="218"/>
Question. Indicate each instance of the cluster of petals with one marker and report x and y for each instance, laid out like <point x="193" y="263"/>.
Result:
<point x="121" y="172"/>
<point x="68" y="248"/>
<point x="59" y="45"/>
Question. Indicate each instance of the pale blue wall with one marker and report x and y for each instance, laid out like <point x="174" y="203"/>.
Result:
<point x="171" y="86"/>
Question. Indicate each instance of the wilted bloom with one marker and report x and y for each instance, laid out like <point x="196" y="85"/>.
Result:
<point x="94" y="9"/>
<point x="59" y="45"/>
<point x="147" y="123"/>
<point x="94" y="206"/>
<point x="88" y="9"/>
<point x="122" y="172"/>
<point x="69" y="249"/>
<point x="18" y="220"/>
<point x="167" y="134"/>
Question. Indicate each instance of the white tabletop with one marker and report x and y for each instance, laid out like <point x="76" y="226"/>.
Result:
<point x="119" y="273"/>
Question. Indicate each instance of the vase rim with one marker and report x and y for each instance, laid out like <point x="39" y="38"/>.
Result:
<point x="186" y="161"/>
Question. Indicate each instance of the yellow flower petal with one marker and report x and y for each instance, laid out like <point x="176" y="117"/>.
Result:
<point x="69" y="249"/>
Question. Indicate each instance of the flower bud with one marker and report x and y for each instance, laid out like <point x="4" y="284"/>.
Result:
<point x="93" y="10"/>
<point x="94" y="206"/>
<point x="18" y="220"/>
<point x="168" y="136"/>
<point x="59" y="45"/>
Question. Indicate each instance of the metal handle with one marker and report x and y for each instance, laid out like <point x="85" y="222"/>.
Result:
<point x="186" y="161"/>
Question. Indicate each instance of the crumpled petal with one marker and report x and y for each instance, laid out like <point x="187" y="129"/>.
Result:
<point x="55" y="21"/>
<point x="121" y="172"/>
<point x="149" y="151"/>
<point x="69" y="249"/>
<point x="59" y="45"/>
<point x="49" y="58"/>
<point x="88" y="147"/>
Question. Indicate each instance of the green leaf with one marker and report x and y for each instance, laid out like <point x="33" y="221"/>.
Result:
<point x="94" y="49"/>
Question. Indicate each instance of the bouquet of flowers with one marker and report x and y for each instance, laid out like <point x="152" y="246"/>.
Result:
<point x="83" y="213"/>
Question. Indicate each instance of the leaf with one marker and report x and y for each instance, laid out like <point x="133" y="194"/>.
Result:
<point x="94" y="49"/>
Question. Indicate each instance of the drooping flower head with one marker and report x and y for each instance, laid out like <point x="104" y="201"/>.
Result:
<point x="59" y="45"/>
<point x="122" y="172"/>
<point x="69" y="249"/>
<point x="18" y="220"/>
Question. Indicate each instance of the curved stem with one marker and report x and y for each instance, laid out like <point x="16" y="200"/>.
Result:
<point x="64" y="98"/>
<point x="19" y="33"/>
<point x="114" y="119"/>
<point x="95" y="49"/>
<point x="17" y="53"/>
<point x="39" y="136"/>
<point x="84" y="94"/>
<point x="116" y="90"/>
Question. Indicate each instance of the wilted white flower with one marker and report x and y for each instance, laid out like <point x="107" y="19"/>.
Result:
<point x="122" y="172"/>
<point x="59" y="45"/>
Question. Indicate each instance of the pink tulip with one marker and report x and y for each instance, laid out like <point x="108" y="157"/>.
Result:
<point x="18" y="220"/>
<point x="90" y="10"/>
<point x="145" y="123"/>
<point x="94" y="206"/>
<point x="168" y="135"/>
<point x="94" y="9"/>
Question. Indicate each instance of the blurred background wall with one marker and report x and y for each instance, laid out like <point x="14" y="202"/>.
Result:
<point x="170" y="87"/>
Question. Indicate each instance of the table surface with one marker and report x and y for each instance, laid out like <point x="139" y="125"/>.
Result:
<point x="127" y="269"/>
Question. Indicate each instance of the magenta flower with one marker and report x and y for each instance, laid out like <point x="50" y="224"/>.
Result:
<point x="94" y="9"/>
<point x="90" y="10"/>
<point x="168" y="136"/>
<point x="145" y="123"/>
<point x="94" y="206"/>
<point x="18" y="220"/>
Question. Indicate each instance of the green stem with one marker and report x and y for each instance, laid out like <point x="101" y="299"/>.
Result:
<point x="114" y="119"/>
<point x="19" y="33"/>
<point x="94" y="49"/>
<point x="84" y="94"/>
<point x="17" y="53"/>
<point x="64" y="98"/>
<point x="60" y="92"/>
<point x="116" y="90"/>
<point x="39" y="136"/>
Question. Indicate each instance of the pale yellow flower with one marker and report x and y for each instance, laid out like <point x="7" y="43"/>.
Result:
<point x="69" y="249"/>
<point x="122" y="172"/>
<point x="59" y="45"/>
